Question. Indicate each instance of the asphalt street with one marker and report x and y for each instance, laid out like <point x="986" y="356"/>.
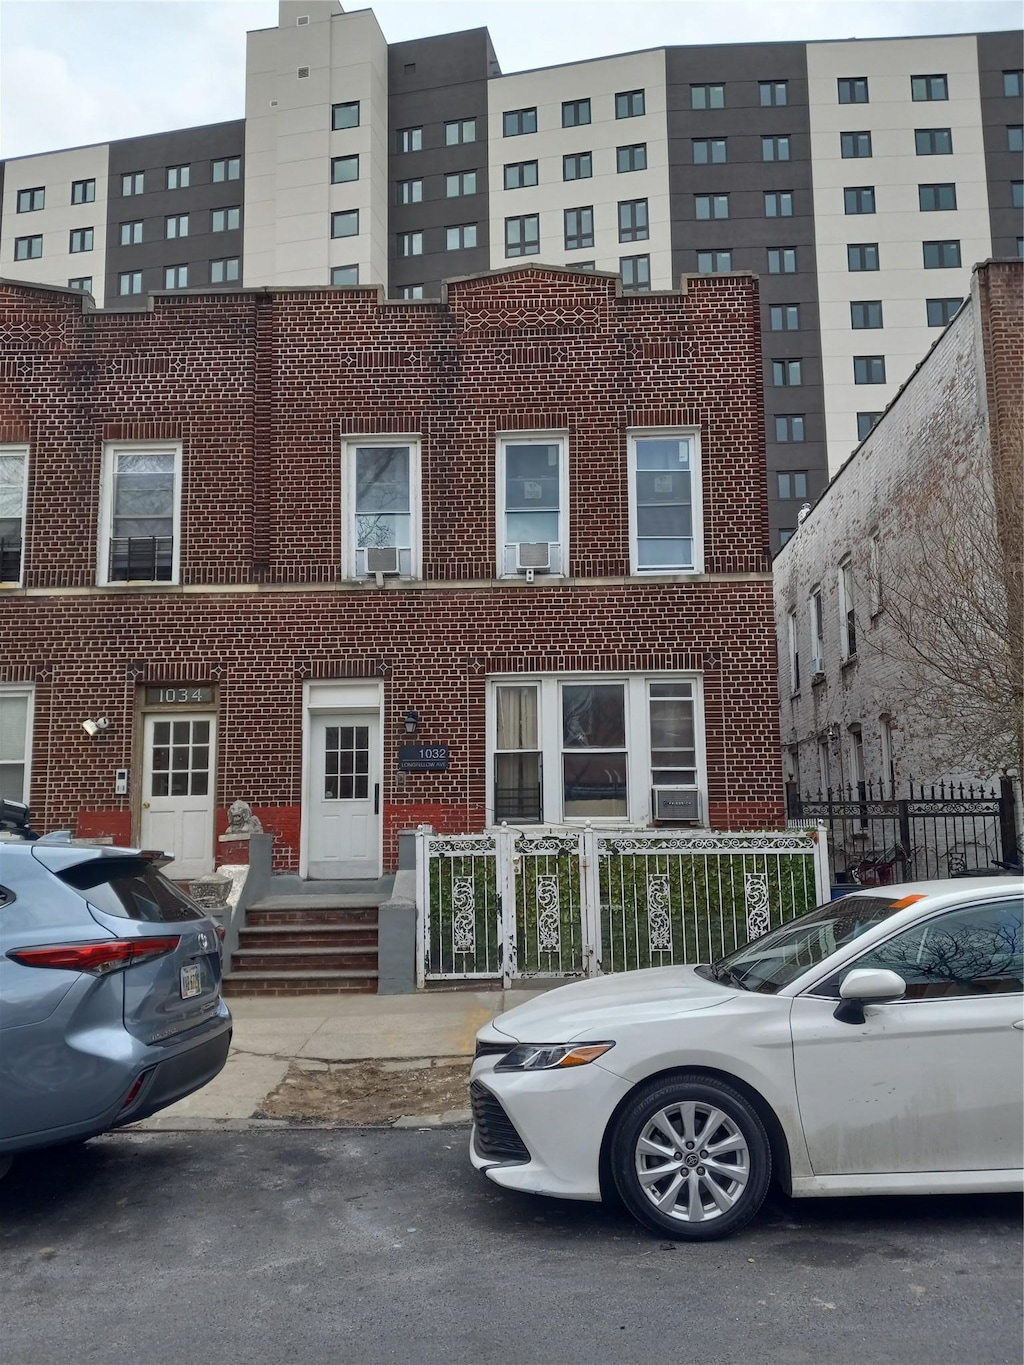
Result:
<point x="365" y="1247"/>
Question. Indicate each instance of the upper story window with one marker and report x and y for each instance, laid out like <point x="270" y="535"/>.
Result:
<point x="869" y="369"/>
<point x="775" y="148"/>
<point x="632" y="158"/>
<point x="458" y="131"/>
<point x="410" y="139"/>
<point x="710" y="206"/>
<point x="575" y="113"/>
<point x="139" y="514"/>
<point x="933" y="141"/>
<point x="31" y="201"/>
<point x="516" y="122"/>
<point x="936" y="198"/>
<point x="176" y="225"/>
<point x="226" y="168"/>
<point x="176" y="277"/>
<point x="579" y="228"/>
<point x="792" y="483"/>
<point x="773" y="94"/>
<point x="13" y="495"/>
<point x="794" y="650"/>
<point x="578" y="166"/>
<point x="409" y="291"/>
<point x="664" y="509"/>
<point x="1013" y="84"/>
<point x="1015" y="137"/>
<point x="178" y="177"/>
<point x="82" y="283"/>
<point x="633" y="220"/>
<point x="865" y="421"/>
<point x="784" y="317"/>
<point x="459" y="184"/>
<point x="80" y="239"/>
<point x="16" y="707"/>
<point x="344" y="169"/>
<point x="929" y="88"/>
<point x="522" y="235"/>
<point x="787" y="374"/>
<point x="410" y="191"/>
<point x="83" y="191"/>
<point x="635" y="272"/>
<point x="778" y="204"/>
<point x="854" y="146"/>
<point x="941" y="255"/>
<point x="28" y="248"/>
<point x="226" y="271"/>
<point x="345" y="224"/>
<point x="133" y="183"/>
<point x="131" y="233"/>
<point x="345" y="115"/>
<point x="225" y="220"/>
<point x="782" y="260"/>
<point x="817" y="623"/>
<point x="383" y="497"/>
<point x="410" y="244"/>
<point x="344" y="274"/>
<point x="707" y="96"/>
<point x="460" y="237"/>
<point x="520" y="174"/>
<point x="630" y="104"/>
<point x="129" y="282"/>
<point x="709" y="151"/>
<point x="790" y="427"/>
<point x="862" y="256"/>
<point x="1017" y="193"/>
<point x="533" y="503"/>
<point x="853" y="89"/>
<point x="941" y="311"/>
<point x="714" y="262"/>
<point x="847" y="611"/>
<point x="859" y="199"/>
<point x="866" y="315"/>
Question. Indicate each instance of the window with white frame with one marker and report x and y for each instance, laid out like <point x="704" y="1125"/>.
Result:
<point x="794" y="652"/>
<point x="139" y="515"/>
<point x="817" y="619"/>
<point x="592" y="747"/>
<point x="847" y="611"/>
<point x="16" y="705"/>
<point x="13" y="489"/>
<point x="533" y="503"/>
<point x="383" y="496"/>
<point x="664" y="511"/>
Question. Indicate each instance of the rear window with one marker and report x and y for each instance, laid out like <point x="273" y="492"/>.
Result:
<point x="130" y="888"/>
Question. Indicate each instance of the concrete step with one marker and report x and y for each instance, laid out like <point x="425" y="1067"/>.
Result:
<point x="302" y="958"/>
<point x="300" y="983"/>
<point x="341" y="936"/>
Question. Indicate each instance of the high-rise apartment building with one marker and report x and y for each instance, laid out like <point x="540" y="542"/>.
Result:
<point x="860" y="179"/>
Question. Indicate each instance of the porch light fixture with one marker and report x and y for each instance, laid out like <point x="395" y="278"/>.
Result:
<point x="96" y="727"/>
<point x="412" y="722"/>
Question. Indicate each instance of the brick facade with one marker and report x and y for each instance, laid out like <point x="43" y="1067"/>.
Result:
<point x="261" y="388"/>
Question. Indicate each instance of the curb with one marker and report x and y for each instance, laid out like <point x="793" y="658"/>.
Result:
<point x="451" y="1118"/>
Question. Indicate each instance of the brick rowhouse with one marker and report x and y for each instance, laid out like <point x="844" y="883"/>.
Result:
<point x="260" y="390"/>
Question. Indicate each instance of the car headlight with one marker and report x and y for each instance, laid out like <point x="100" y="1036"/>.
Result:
<point x="551" y="1056"/>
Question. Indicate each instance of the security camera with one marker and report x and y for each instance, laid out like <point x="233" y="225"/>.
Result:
<point x="96" y="727"/>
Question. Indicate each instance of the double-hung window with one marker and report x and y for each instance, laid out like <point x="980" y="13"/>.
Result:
<point x="664" y="503"/>
<point x="847" y="611"/>
<point x="139" y="518"/>
<point x="383" y="498"/>
<point x="533" y="503"/>
<point x="16" y="706"/>
<point x="13" y="489"/>
<point x="582" y="747"/>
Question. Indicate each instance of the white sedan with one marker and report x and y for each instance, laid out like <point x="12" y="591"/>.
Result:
<point x="871" y="1046"/>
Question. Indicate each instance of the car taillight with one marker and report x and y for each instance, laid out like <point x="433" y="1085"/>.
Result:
<point x="112" y="955"/>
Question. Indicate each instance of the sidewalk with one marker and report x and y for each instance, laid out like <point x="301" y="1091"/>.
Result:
<point x="272" y="1033"/>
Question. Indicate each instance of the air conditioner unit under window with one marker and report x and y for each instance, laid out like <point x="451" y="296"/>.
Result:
<point x="817" y="667"/>
<point x="382" y="559"/>
<point x="534" y="555"/>
<point x="673" y="803"/>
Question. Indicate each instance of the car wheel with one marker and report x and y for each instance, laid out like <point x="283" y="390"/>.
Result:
<point x="691" y="1158"/>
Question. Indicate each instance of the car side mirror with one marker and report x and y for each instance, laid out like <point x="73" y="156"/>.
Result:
<point x="864" y="985"/>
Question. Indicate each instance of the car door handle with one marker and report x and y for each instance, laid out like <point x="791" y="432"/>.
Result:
<point x="376" y="798"/>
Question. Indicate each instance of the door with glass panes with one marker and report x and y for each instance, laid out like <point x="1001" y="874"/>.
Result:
<point x="178" y="790"/>
<point x="344" y="795"/>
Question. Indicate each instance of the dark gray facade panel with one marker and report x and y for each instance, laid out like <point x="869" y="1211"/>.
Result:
<point x="433" y="82"/>
<point x="196" y="148"/>
<point x="748" y="233"/>
<point x="999" y="52"/>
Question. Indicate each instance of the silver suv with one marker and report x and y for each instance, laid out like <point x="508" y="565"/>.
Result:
<point x="110" y="988"/>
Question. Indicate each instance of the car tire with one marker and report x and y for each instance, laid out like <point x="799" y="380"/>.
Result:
<point x="690" y="1158"/>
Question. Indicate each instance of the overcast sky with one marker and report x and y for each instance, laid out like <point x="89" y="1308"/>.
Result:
<point x="80" y="71"/>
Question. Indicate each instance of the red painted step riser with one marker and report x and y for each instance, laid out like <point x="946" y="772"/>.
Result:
<point x="233" y="988"/>
<point x="335" y="962"/>
<point x="297" y="937"/>
<point x="255" y="918"/>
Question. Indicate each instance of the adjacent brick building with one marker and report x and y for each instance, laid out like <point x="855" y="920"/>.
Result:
<point x="366" y="564"/>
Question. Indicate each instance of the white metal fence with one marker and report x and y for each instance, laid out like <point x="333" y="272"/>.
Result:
<point x="559" y="903"/>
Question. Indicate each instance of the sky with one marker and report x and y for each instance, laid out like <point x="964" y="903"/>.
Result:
<point x="79" y="71"/>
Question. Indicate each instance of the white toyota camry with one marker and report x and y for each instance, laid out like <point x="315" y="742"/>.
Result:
<point x="872" y="1046"/>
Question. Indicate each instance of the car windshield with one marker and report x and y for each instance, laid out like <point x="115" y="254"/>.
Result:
<point x="769" y="963"/>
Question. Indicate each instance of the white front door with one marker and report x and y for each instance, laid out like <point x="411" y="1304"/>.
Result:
<point x="343" y="800"/>
<point x="178" y="791"/>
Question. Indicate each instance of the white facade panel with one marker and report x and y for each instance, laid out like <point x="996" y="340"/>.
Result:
<point x="55" y="173"/>
<point x="898" y="226"/>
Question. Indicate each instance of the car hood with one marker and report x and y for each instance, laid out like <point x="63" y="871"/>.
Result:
<point x="590" y="1008"/>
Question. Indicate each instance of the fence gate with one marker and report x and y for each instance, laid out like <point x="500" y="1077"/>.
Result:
<point x="511" y="904"/>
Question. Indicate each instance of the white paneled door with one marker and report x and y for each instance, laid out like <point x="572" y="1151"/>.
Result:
<point x="343" y="801"/>
<point x="178" y="791"/>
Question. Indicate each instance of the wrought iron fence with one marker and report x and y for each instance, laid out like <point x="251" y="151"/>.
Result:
<point x="555" y="903"/>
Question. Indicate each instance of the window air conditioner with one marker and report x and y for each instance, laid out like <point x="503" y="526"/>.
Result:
<point x="817" y="667"/>
<point x="382" y="559"/>
<point x="534" y="555"/>
<point x="673" y="803"/>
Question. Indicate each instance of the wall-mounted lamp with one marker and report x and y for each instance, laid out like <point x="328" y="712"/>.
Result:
<point x="96" y="727"/>
<point x="412" y="722"/>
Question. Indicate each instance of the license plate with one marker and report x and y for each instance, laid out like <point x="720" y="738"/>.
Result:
<point x="191" y="981"/>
